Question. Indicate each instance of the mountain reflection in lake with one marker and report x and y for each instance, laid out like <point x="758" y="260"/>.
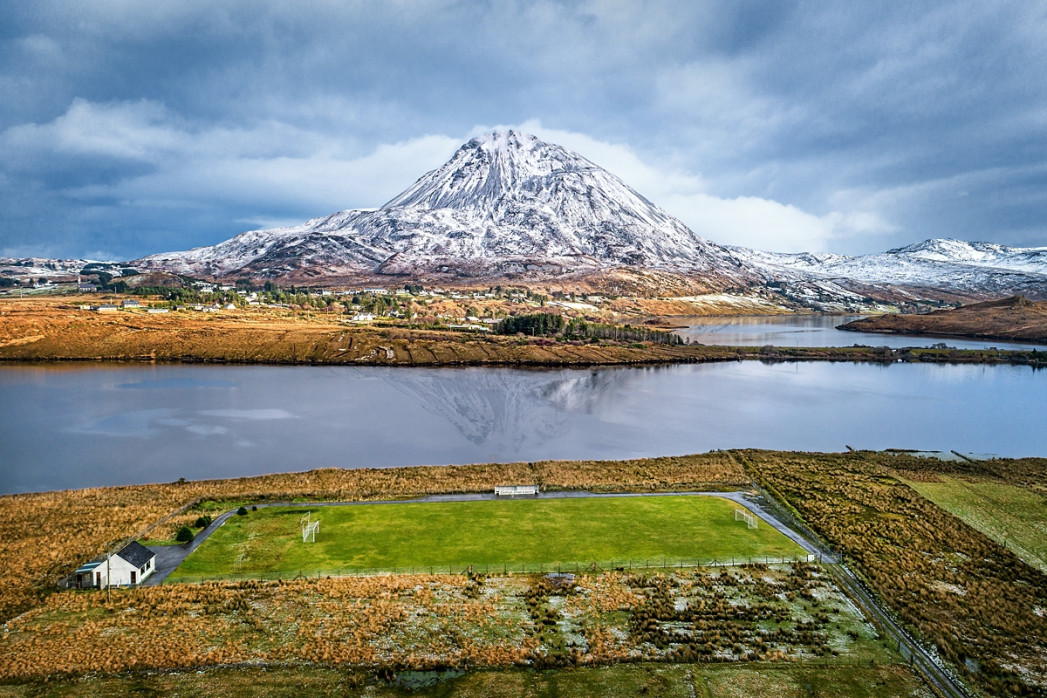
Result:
<point x="105" y="425"/>
<point x="487" y="405"/>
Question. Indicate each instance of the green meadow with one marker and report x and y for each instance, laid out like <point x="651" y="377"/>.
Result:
<point x="1014" y="516"/>
<point x="518" y="535"/>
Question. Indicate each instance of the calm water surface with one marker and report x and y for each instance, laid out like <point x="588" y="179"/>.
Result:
<point x="813" y="331"/>
<point x="100" y="425"/>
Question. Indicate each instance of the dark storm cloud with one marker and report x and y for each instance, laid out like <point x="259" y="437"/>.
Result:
<point x="129" y="128"/>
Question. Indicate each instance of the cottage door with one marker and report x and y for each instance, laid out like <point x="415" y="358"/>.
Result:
<point x="134" y="574"/>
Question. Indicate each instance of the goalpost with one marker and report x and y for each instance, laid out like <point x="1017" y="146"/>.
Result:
<point x="309" y="528"/>
<point x="743" y="515"/>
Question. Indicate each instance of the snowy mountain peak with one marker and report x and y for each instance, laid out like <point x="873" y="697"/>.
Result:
<point x="506" y="202"/>
<point x="490" y="168"/>
<point x="504" y="141"/>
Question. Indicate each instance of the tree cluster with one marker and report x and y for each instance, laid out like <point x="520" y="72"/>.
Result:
<point x="555" y="325"/>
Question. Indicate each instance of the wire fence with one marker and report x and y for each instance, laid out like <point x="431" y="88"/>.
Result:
<point x="590" y="567"/>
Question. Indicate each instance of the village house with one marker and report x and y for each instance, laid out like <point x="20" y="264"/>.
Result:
<point x="130" y="303"/>
<point x="129" y="567"/>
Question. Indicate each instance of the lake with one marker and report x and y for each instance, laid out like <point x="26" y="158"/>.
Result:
<point x="814" y="331"/>
<point x="78" y="426"/>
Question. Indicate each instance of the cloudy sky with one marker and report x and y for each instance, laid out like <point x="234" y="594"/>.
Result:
<point x="128" y="127"/>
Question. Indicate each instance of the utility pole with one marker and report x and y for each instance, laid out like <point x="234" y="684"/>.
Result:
<point x="108" y="579"/>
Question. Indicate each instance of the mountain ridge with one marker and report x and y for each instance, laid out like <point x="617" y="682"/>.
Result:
<point x="508" y="205"/>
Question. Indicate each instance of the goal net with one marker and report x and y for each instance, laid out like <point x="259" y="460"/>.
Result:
<point x="747" y="517"/>
<point x="309" y="528"/>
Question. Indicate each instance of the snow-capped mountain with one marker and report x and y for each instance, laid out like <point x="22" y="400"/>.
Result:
<point x="504" y="203"/>
<point x="980" y="254"/>
<point x="508" y="204"/>
<point x="953" y="266"/>
<point x="30" y="268"/>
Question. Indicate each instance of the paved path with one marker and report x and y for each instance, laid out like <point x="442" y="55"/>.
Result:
<point x="169" y="557"/>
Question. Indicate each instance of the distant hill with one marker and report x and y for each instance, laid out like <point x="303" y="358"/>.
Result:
<point x="1014" y="318"/>
<point x="941" y="268"/>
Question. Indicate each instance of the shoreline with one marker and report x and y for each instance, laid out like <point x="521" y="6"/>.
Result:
<point x="551" y="357"/>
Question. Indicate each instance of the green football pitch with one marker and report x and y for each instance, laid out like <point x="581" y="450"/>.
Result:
<point x="514" y="535"/>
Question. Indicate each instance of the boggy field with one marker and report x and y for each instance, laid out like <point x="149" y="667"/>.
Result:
<point x="422" y="622"/>
<point x="972" y="599"/>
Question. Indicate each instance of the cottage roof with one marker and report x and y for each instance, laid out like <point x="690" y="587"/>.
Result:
<point x="136" y="553"/>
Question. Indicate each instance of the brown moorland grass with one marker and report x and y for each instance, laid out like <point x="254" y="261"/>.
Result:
<point x="1012" y="318"/>
<point x="980" y="606"/>
<point x="44" y="536"/>
<point x="426" y="622"/>
<point x="1006" y="501"/>
<point x="1010" y="515"/>
<point x="55" y="330"/>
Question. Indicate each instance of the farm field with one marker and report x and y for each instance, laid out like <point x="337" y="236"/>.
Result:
<point x="1012" y="515"/>
<point x="974" y="599"/>
<point x="624" y="679"/>
<point x="520" y="535"/>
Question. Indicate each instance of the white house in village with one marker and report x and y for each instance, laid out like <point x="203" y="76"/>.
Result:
<point x="129" y="567"/>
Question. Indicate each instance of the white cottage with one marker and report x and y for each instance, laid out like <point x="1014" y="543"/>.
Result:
<point x="128" y="567"/>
